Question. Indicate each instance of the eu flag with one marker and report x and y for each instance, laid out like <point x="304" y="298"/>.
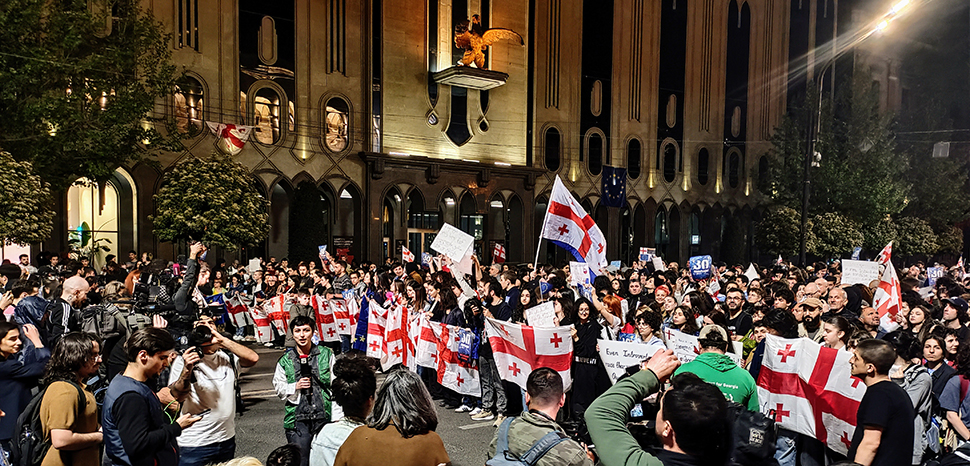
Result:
<point x="359" y="341"/>
<point x="614" y="187"/>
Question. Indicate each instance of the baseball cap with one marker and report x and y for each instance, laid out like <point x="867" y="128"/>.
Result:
<point x="958" y="303"/>
<point x="713" y="332"/>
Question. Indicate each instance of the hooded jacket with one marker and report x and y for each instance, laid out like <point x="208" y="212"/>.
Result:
<point x="735" y="383"/>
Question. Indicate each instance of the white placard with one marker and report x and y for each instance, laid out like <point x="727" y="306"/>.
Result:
<point x="579" y="273"/>
<point x="752" y="273"/>
<point x="254" y="265"/>
<point x="686" y="347"/>
<point x="618" y="355"/>
<point x="863" y="272"/>
<point x="658" y="264"/>
<point x="452" y="242"/>
<point x="542" y="316"/>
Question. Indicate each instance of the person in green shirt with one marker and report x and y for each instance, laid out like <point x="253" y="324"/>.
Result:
<point x="716" y="368"/>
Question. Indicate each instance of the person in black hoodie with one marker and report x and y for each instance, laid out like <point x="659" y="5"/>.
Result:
<point x="587" y="370"/>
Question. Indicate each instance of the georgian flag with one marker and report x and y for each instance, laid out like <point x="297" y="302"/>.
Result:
<point x="232" y="138"/>
<point x="397" y="339"/>
<point x="887" y="297"/>
<point x="885" y="254"/>
<point x="344" y="320"/>
<point x="406" y="254"/>
<point x="498" y="253"/>
<point x="326" y="323"/>
<point x="426" y="346"/>
<point x="376" y="325"/>
<point x="810" y="390"/>
<point x="262" y="323"/>
<point x="460" y="376"/>
<point x="278" y="312"/>
<point x="236" y="309"/>
<point x="960" y="264"/>
<point x="569" y="226"/>
<point x="520" y="349"/>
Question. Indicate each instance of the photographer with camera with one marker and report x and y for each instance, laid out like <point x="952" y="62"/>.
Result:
<point x="211" y="390"/>
<point x="186" y="307"/>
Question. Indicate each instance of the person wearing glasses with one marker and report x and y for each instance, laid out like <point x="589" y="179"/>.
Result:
<point x="68" y="413"/>
<point x="213" y="389"/>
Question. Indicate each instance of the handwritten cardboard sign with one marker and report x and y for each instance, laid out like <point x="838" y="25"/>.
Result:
<point x="452" y="242"/>
<point x="541" y="316"/>
<point x="618" y="355"/>
<point x="579" y="273"/>
<point x="863" y="272"/>
<point x="686" y="347"/>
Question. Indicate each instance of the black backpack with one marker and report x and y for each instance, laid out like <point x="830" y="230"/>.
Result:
<point x="29" y="445"/>
<point x="753" y="437"/>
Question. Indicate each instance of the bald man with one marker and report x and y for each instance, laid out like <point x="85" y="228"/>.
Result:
<point x="64" y="312"/>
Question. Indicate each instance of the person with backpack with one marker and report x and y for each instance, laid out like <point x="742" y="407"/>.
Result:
<point x="69" y="414"/>
<point x="18" y="375"/>
<point x="534" y="438"/>
<point x="64" y="313"/>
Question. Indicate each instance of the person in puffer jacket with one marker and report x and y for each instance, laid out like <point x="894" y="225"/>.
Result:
<point x="716" y="368"/>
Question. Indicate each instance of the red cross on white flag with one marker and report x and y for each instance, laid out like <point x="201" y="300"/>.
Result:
<point x="397" y="338"/>
<point x="885" y="254"/>
<point x="326" y="323"/>
<point x="406" y="254"/>
<point x="569" y="226"/>
<point x="232" y="138"/>
<point x="810" y="390"/>
<point x="498" y="253"/>
<point x="887" y="297"/>
<point x="518" y="349"/>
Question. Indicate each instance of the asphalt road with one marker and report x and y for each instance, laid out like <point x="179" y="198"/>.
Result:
<point x="259" y="430"/>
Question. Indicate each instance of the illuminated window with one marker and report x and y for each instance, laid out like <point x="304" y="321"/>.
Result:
<point x="338" y="124"/>
<point x="189" y="106"/>
<point x="266" y="115"/>
<point x="92" y="220"/>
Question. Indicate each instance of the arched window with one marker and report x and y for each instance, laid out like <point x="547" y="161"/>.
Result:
<point x="633" y="158"/>
<point x="695" y="229"/>
<point x="594" y="147"/>
<point x="92" y="219"/>
<point x="669" y="162"/>
<point x="734" y="170"/>
<point x="552" y="149"/>
<point x="661" y="235"/>
<point x="189" y="105"/>
<point x="266" y="115"/>
<point x="703" y="166"/>
<point x="337" y="118"/>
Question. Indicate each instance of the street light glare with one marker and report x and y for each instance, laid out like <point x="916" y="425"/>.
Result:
<point x="882" y="26"/>
<point x="899" y="6"/>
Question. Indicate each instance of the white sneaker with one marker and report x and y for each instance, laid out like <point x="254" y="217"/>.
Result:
<point x="237" y="337"/>
<point x="483" y="416"/>
<point x="498" y="420"/>
<point x="475" y="411"/>
<point x="268" y="344"/>
<point x="463" y="409"/>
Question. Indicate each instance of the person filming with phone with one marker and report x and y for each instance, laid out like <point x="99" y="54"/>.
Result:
<point x="211" y="390"/>
<point x="188" y="300"/>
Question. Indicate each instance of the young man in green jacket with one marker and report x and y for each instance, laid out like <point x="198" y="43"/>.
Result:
<point x="692" y="423"/>
<point x="714" y="367"/>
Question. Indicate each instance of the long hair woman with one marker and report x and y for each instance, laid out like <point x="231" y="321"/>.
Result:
<point x="71" y="425"/>
<point x="525" y="301"/>
<point x="402" y="424"/>
<point x="353" y="389"/>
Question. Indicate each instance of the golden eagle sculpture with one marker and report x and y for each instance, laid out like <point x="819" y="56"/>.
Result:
<point x="470" y="37"/>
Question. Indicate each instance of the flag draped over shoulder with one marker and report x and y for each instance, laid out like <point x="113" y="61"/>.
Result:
<point x="810" y="390"/>
<point x="519" y="349"/>
<point x="569" y="226"/>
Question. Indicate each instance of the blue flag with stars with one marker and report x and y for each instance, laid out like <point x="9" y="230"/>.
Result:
<point x="614" y="187"/>
<point x="359" y="341"/>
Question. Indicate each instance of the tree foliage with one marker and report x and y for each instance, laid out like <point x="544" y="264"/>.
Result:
<point x="877" y="235"/>
<point x="26" y="216"/>
<point x="778" y="231"/>
<point x="950" y="240"/>
<point x="915" y="236"/>
<point x="79" y="78"/>
<point x="835" y="235"/>
<point x="212" y="200"/>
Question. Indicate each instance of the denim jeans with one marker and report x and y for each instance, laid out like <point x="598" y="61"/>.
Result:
<point x="493" y="391"/>
<point x="218" y="452"/>
<point x="302" y="435"/>
<point x="785" y="451"/>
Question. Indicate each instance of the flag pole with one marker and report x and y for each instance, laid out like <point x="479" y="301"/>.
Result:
<point x="545" y="218"/>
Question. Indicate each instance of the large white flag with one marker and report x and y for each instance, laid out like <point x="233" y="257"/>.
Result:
<point x="887" y="298"/>
<point x="520" y="349"/>
<point x="569" y="226"/>
<point x="810" y="390"/>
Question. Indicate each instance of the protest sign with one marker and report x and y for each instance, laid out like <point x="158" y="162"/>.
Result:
<point x="700" y="267"/>
<point x="933" y="274"/>
<point x="452" y="242"/>
<point x="855" y="253"/>
<point x="686" y="347"/>
<point x="854" y="272"/>
<point x="579" y="273"/>
<point x="658" y="264"/>
<point x="254" y="265"/>
<point x="322" y="252"/>
<point x="618" y="355"/>
<point x="752" y="273"/>
<point x="541" y="316"/>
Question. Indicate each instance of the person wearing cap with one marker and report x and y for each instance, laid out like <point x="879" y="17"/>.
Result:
<point x="716" y="368"/>
<point x="955" y="317"/>
<point x="811" y="325"/>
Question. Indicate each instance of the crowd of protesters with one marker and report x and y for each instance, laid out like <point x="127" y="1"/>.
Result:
<point x="170" y="336"/>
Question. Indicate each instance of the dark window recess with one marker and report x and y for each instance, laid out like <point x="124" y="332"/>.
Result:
<point x="595" y="154"/>
<point x="552" y="149"/>
<point x="763" y="173"/>
<point x="703" y="166"/>
<point x="633" y="158"/>
<point x="670" y="162"/>
<point x="734" y="172"/>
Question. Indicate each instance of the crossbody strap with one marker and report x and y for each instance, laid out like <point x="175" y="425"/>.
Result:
<point x="540" y="448"/>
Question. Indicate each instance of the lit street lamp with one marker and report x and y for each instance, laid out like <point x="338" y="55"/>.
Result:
<point x="814" y="120"/>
